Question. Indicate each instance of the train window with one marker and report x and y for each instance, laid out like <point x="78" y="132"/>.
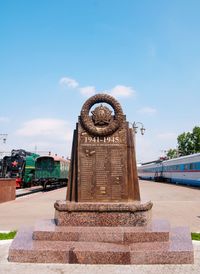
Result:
<point x="186" y="167"/>
<point x="197" y="166"/>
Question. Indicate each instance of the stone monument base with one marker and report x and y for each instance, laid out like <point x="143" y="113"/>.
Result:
<point x="135" y="213"/>
<point x="110" y="242"/>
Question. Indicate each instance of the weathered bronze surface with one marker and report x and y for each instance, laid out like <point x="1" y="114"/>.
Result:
<point x="103" y="167"/>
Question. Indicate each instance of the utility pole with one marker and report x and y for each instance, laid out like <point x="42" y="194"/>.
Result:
<point x="3" y="137"/>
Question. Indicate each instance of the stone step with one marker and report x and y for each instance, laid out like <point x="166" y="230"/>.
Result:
<point x="178" y="250"/>
<point x="25" y="250"/>
<point x="157" y="230"/>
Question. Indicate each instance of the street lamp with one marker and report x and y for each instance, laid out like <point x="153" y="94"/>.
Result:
<point x="136" y="125"/>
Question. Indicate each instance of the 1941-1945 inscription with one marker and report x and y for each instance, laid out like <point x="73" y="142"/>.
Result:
<point x="102" y="163"/>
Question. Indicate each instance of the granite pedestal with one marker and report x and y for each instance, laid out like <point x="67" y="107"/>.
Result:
<point x="102" y="214"/>
<point x="107" y="240"/>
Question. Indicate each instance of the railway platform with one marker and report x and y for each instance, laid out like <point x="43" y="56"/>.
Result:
<point x="180" y="205"/>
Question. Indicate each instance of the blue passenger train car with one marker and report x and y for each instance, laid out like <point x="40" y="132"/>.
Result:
<point x="184" y="170"/>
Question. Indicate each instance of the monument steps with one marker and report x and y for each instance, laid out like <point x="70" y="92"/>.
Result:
<point x="158" y="230"/>
<point x="178" y="249"/>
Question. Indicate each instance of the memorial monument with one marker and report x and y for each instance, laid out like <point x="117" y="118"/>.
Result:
<point x="103" y="220"/>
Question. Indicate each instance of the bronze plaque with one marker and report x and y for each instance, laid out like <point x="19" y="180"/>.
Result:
<point x="103" y="163"/>
<point x="101" y="154"/>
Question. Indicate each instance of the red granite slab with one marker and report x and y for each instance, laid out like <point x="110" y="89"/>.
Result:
<point x="157" y="230"/>
<point x="136" y="213"/>
<point x="100" y="253"/>
<point x="7" y="189"/>
<point x="24" y="249"/>
<point x="178" y="250"/>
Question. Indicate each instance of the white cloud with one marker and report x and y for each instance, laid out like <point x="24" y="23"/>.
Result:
<point x="68" y="82"/>
<point x="51" y="128"/>
<point x="147" y="110"/>
<point x="167" y="136"/>
<point x="117" y="91"/>
<point x="4" y="119"/>
<point x="45" y="134"/>
<point x="122" y="91"/>
<point x="88" y="91"/>
<point x="152" y="146"/>
<point x="144" y="149"/>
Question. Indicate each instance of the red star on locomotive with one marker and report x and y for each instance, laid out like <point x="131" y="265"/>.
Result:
<point x="15" y="163"/>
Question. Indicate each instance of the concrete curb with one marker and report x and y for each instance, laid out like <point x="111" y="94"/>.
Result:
<point x="3" y="242"/>
<point x="196" y="243"/>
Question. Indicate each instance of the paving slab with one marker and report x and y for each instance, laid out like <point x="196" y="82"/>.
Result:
<point x="175" y="203"/>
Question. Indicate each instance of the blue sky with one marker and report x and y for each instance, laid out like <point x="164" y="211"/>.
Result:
<point x="54" y="54"/>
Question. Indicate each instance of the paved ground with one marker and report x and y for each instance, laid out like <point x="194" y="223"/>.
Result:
<point x="26" y="210"/>
<point x="180" y="205"/>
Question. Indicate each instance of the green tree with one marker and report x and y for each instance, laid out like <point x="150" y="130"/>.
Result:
<point x="196" y="139"/>
<point x="189" y="142"/>
<point x="185" y="144"/>
<point x="172" y="153"/>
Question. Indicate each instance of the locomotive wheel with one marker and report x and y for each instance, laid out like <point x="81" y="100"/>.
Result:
<point x="44" y="185"/>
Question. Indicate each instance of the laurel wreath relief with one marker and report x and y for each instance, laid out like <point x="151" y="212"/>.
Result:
<point x="115" y="123"/>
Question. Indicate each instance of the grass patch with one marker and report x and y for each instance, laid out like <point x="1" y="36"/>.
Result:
<point x="11" y="235"/>
<point x="195" y="236"/>
<point x="8" y="236"/>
